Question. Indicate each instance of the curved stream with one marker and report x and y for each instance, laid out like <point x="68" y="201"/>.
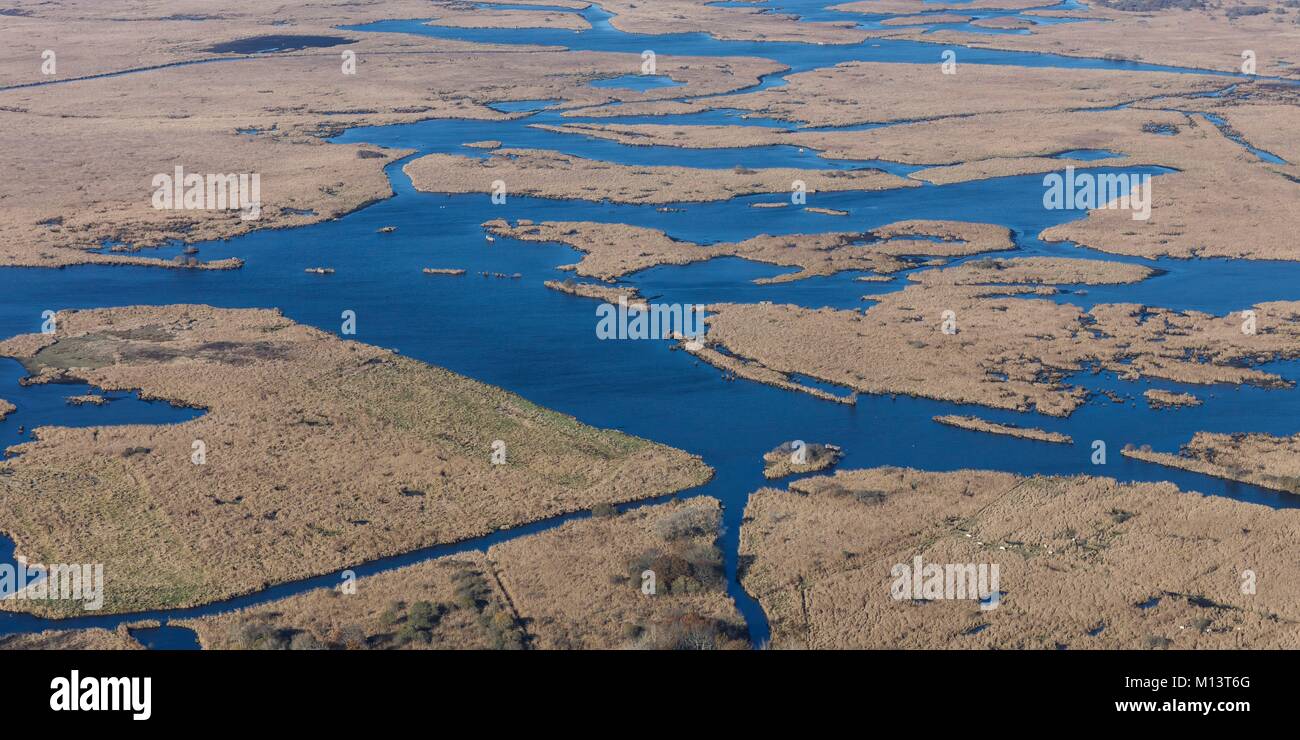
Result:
<point x="541" y="344"/>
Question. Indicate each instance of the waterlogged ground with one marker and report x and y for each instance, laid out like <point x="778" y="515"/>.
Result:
<point x="541" y="344"/>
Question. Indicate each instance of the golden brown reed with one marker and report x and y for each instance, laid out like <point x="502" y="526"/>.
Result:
<point x="319" y="453"/>
<point x="1078" y="559"/>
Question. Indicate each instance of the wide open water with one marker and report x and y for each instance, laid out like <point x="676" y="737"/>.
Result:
<point x="541" y="344"/>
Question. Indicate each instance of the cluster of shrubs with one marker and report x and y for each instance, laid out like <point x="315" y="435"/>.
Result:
<point x="816" y="453"/>
<point x="688" y="522"/>
<point x="1119" y="516"/>
<point x="1156" y="642"/>
<point x="473" y="592"/>
<point x="838" y="490"/>
<point x="416" y="624"/>
<point x="1160" y="128"/>
<point x="686" y="569"/>
<point x="688" y="631"/>
<point x="1241" y="11"/>
<point x="259" y="634"/>
<point x="988" y="263"/>
<point x="410" y="624"/>
<point x="1236" y="11"/>
<point x="1145" y="6"/>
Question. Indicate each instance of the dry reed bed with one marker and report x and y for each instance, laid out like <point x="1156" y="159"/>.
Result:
<point x="320" y="453"/>
<point x="93" y="638"/>
<point x="1262" y="459"/>
<point x="976" y="424"/>
<point x="1035" y="271"/>
<point x="1205" y="38"/>
<point x="784" y="459"/>
<point x="1076" y="556"/>
<point x="580" y="586"/>
<point x="547" y="174"/>
<point x="53" y="135"/>
<point x="612" y="251"/>
<point x="1162" y="399"/>
<point x="879" y="92"/>
<point x="572" y="587"/>
<point x="607" y="293"/>
<point x="997" y="348"/>
<point x="1192" y="214"/>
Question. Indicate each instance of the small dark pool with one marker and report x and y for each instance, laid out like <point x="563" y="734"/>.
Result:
<point x="166" y="637"/>
<point x="277" y="42"/>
